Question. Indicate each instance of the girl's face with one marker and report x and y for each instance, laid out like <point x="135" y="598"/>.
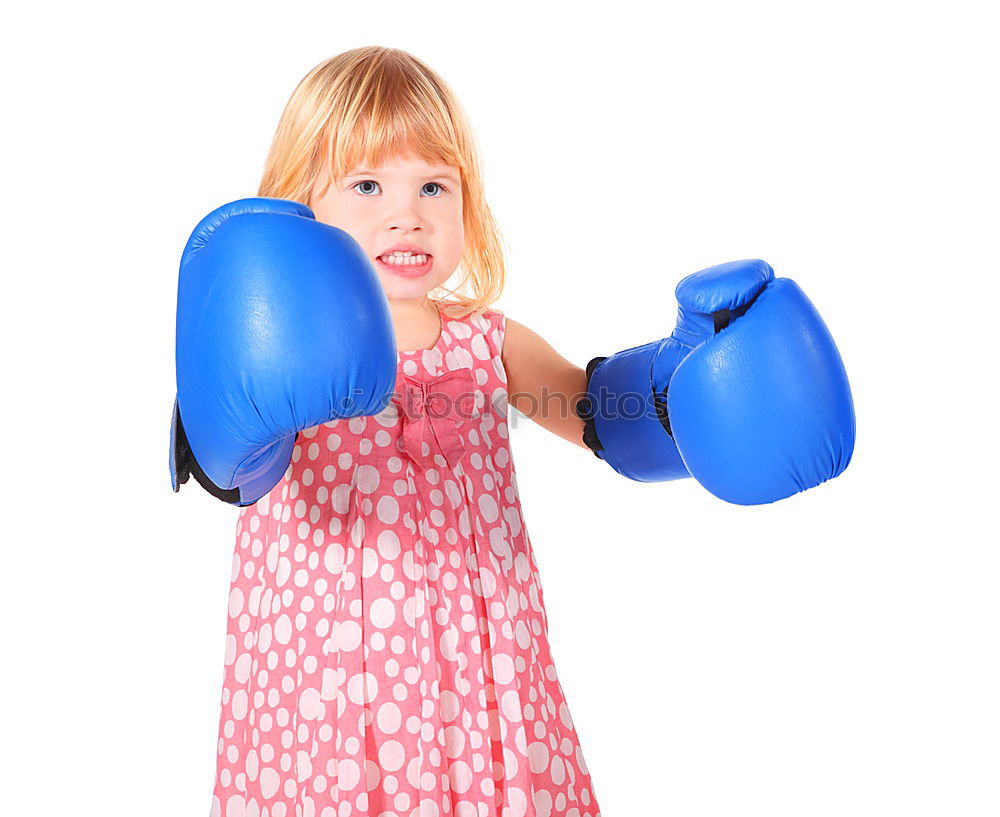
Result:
<point x="407" y="217"/>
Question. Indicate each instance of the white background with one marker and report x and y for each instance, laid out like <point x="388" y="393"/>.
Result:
<point x="834" y="653"/>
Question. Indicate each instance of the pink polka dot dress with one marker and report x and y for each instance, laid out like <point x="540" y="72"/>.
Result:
<point x="387" y="650"/>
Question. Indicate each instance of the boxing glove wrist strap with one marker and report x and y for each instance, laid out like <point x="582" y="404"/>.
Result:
<point x="625" y="415"/>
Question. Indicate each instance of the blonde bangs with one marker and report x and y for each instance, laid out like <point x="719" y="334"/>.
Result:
<point x="376" y="128"/>
<point x="366" y="107"/>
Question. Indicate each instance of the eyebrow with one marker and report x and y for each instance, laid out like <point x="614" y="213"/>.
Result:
<point x="445" y="175"/>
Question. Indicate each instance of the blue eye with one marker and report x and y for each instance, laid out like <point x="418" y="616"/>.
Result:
<point x="367" y="192"/>
<point x="369" y="187"/>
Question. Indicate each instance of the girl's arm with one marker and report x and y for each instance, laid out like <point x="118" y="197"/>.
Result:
<point x="542" y="384"/>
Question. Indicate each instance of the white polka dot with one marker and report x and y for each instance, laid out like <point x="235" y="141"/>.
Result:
<point x="368" y="478"/>
<point x="510" y="704"/>
<point x="309" y="704"/>
<point x="383" y="613"/>
<point x="348" y="774"/>
<point x="543" y="803"/>
<point x="558" y="770"/>
<point x="240" y="704"/>
<point x="391" y="755"/>
<point x="538" y="757"/>
<point x="333" y="557"/>
<point x="369" y="562"/>
<point x="517" y="803"/>
<point x="479" y="347"/>
<point x="460" y="776"/>
<point x="488" y="508"/>
<point x="564" y="715"/>
<point x="387" y="510"/>
<point x="283" y="629"/>
<point x="331" y="684"/>
<point x="448" y="644"/>
<point x="454" y="740"/>
<point x="241" y="669"/>
<point x="340" y="497"/>
<point x="449" y="705"/>
<point x="503" y="668"/>
<point x="362" y="688"/>
<point x="389" y="718"/>
<point x="347" y="635"/>
<point x="236" y="806"/>
<point x="388" y="545"/>
<point x="235" y="602"/>
<point x="269" y="782"/>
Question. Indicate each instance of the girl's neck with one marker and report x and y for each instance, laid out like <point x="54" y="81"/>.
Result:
<point x="417" y="323"/>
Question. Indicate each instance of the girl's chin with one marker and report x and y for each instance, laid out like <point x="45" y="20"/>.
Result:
<point x="398" y="287"/>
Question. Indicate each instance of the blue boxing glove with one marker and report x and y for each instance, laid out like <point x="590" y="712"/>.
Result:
<point x="748" y="395"/>
<point x="282" y="325"/>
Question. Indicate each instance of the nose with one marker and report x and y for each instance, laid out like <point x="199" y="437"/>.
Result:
<point x="403" y="215"/>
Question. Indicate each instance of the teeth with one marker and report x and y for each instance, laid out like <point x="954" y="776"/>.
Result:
<point x="407" y="258"/>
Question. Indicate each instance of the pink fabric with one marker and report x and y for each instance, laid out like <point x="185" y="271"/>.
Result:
<point x="387" y="649"/>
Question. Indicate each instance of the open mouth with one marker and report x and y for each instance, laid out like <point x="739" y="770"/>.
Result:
<point x="408" y="264"/>
<point x="404" y="259"/>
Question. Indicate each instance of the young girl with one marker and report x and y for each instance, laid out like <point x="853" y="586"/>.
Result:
<point x="387" y="648"/>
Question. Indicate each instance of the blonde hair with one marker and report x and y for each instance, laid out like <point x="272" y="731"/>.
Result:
<point x="372" y="104"/>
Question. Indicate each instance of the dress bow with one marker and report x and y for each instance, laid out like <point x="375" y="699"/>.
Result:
<point x="431" y="411"/>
